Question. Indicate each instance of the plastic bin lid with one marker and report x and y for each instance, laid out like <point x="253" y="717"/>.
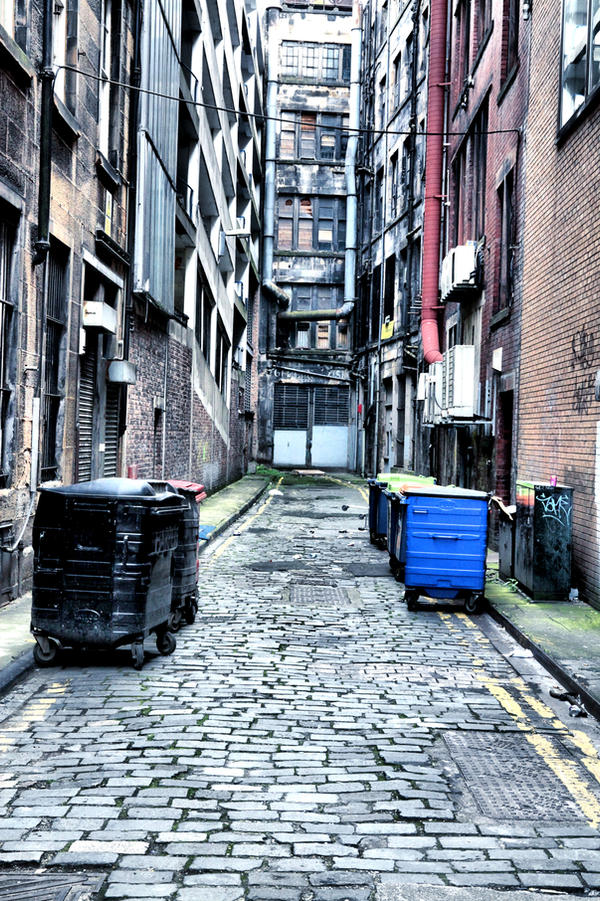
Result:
<point x="191" y="487"/>
<point x="443" y="491"/>
<point x="111" y="487"/>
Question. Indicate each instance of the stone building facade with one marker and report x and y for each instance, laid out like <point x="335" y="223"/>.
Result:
<point x="129" y="246"/>
<point x="307" y="398"/>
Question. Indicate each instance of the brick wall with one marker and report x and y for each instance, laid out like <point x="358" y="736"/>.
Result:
<point x="559" y="414"/>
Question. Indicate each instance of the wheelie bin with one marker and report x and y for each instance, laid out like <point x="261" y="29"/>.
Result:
<point x="378" y="501"/>
<point x="103" y="560"/>
<point x="441" y="544"/>
<point x="393" y="510"/>
<point x="184" y="605"/>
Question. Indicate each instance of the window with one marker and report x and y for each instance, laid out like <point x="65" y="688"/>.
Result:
<point x="580" y="70"/>
<point x="394" y="185"/>
<point x="59" y="46"/>
<point x="312" y="135"/>
<point x="7" y="247"/>
<point x="424" y="41"/>
<point x="479" y="171"/>
<point x="324" y="335"/>
<point x="511" y="37"/>
<point x="397" y="68"/>
<point x="321" y="62"/>
<point x="470" y="179"/>
<point x="405" y="173"/>
<point x="7" y="16"/>
<point x="308" y="128"/>
<point x="378" y="210"/>
<point x="483" y="20"/>
<point x="382" y="103"/>
<point x="56" y="317"/>
<point x="221" y="357"/>
<point x="108" y="91"/>
<point x="464" y="31"/>
<point x="506" y="205"/>
<point x="204" y="309"/>
<point x="311" y="223"/>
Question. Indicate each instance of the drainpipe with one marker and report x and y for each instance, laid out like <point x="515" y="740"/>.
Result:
<point x="270" y="144"/>
<point x="42" y="244"/>
<point x="433" y="183"/>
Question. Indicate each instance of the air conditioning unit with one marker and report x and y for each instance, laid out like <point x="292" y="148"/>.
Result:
<point x="458" y="382"/>
<point x="239" y="291"/>
<point x="460" y="277"/>
<point x="433" y="408"/>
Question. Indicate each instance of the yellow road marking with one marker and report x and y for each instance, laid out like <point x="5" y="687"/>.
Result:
<point x="243" y="526"/>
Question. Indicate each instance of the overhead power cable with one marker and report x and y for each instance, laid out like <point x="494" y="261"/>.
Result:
<point x="262" y="118"/>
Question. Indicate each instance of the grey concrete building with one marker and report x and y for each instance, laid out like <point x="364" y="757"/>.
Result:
<point x="307" y="396"/>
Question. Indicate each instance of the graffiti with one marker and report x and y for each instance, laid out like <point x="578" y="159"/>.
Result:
<point x="555" y="506"/>
<point x="582" y="348"/>
<point x="583" y="395"/>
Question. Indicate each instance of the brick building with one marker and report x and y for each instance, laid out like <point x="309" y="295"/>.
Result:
<point x="391" y="168"/>
<point x="470" y="397"/>
<point x="560" y="356"/>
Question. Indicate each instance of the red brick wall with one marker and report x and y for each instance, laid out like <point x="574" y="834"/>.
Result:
<point x="184" y="434"/>
<point x="561" y="302"/>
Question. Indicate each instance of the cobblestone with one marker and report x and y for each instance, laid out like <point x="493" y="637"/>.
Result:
<point x="296" y="745"/>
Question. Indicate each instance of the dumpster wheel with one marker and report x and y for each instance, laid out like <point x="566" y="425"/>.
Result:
<point x="137" y="652"/>
<point x="165" y="643"/>
<point x="473" y="603"/>
<point x="45" y="657"/>
<point x="190" y="610"/>
<point x="411" y="596"/>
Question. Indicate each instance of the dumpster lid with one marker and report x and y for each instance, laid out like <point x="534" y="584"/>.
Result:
<point x="443" y="491"/>
<point x="191" y="487"/>
<point x="110" y="487"/>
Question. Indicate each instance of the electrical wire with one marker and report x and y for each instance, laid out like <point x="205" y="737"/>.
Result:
<point x="262" y="118"/>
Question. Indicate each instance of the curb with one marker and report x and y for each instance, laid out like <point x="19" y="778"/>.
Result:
<point x="218" y="530"/>
<point x="14" y="670"/>
<point x="592" y="704"/>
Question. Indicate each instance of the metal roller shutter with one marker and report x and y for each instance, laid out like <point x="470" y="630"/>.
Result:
<point x="85" y="422"/>
<point x="111" y="430"/>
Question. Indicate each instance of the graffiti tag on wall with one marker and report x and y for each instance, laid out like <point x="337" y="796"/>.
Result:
<point x="556" y="506"/>
<point x="583" y="346"/>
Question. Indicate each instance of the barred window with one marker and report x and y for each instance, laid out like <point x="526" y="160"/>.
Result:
<point x="311" y="224"/>
<point x="321" y="62"/>
<point x="313" y="135"/>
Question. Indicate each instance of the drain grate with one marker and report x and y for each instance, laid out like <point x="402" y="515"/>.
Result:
<point x="300" y="594"/>
<point x="50" y="887"/>
<point x="368" y="570"/>
<point x="531" y="791"/>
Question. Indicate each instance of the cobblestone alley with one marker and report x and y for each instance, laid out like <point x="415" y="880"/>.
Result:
<point x="309" y="739"/>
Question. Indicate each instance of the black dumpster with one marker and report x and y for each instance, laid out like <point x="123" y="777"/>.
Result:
<point x="184" y="603"/>
<point x="543" y="540"/>
<point x="103" y="560"/>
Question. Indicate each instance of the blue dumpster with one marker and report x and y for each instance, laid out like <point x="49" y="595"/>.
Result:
<point x="379" y="493"/>
<point x="441" y="543"/>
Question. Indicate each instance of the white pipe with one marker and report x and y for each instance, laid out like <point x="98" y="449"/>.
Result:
<point x="270" y="146"/>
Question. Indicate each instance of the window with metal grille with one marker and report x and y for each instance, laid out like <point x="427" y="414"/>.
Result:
<point x="7" y="245"/>
<point x="332" y="405"/>
<point x="311" y="223"/>
<point x="313" y="135"/>
<point x="290" y="407"/>
<point x="55" y="327"/>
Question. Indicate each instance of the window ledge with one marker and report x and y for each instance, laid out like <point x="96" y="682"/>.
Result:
<point x="507" y="83"/>
<point x="481" y="49"/>
<point x="500" y="318"/>
<point x="584" y="110"/>
<point x="107" y="174"/>
<point x="107" y="245"/>
<point x="65" y="122"/>
<point x="15" y="59"/>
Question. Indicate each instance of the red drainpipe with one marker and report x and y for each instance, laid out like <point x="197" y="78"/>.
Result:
<point x="432" y="215"/>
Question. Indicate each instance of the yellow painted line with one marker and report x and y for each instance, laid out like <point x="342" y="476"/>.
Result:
<point x="565" y="770"/>
<point x="358" y="488"/>
<point x="243" y="526"/>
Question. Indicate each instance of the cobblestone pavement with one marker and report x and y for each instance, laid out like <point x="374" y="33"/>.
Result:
<point x="310" y="739"/>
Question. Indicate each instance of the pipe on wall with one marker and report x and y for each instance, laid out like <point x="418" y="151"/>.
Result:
<point x="350" y="165"/>
<point x="432" y="215"/>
